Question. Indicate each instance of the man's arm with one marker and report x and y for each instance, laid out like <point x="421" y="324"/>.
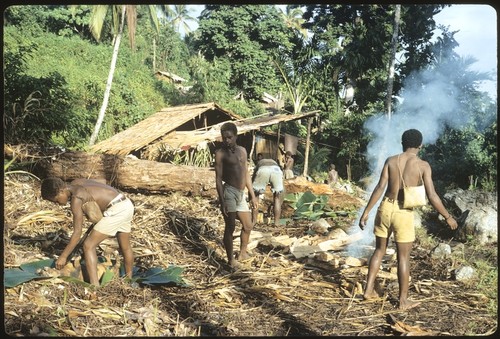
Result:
<point x="76" y="209"/>
<point x="218" y="179"/>
<point x="434" y="198"/>
<point x="251" y="193"/>
<point x="376" y="194"/>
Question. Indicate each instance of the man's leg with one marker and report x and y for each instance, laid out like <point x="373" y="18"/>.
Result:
<point x="247" y="225"/>
<point x="230" y="222"/>
<point x="255" y="211"/>
<point x="373" y="267"/>
<point x="277" y="208"/>
<point x="403" y="253"/>
<point x="90" y="255"/>
<point x="128" y="256"/>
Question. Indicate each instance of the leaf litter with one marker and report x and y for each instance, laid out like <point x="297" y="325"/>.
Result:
<point x="273" y="294"/>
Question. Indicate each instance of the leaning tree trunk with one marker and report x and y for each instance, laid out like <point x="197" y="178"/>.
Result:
<point x="131" y="174"/>
<point x="109" y="82"/>
<point x="390" y="77"/>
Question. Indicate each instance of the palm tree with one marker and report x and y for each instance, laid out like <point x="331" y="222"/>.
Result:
<point x="293" y="19"/>
<point x="298" y="69"/>
<point x="180" y="16"/>
<point x="97" y="20"/>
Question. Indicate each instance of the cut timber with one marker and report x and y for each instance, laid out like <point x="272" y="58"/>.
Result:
<point x="302" y="248"/>
<point x="131" y="174"/>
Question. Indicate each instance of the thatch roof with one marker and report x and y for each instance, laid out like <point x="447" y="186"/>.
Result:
<point x="161" y="127"/>
<point x="183" y="139"/>
<point x="156" y="126"/>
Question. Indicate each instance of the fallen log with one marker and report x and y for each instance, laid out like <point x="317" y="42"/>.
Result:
<point x="128" y="173"/>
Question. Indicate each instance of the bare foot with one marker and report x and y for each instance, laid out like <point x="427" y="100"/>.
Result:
<point x="235" y="265"/>
<point x="370" y="295"/>
<point x="244" y="256"/>
<point x="408" y="304"/>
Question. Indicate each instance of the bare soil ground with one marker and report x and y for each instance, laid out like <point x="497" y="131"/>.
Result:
<point x="273" y="295"/>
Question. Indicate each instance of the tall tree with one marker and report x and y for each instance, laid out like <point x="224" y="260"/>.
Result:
<point x="298" y="69"/>
<point x="96" y="24"/>
<point x="292" y="16"/>
<point x="248" y="36"/>
<point x="180" y="18"/>
<point x="392" y="62"/>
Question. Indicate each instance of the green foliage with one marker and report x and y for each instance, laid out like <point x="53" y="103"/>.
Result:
<point x="153" y="276"/>
<point x="26" y="272"/>
<point x="160" y="276"/>
<point x="59" y="102"/>
<point x="459" y="155"/>
<point x="199" y="157"/>
<point x="245" y="35"/>
<point x="306" y="205"/>
<point x="318" y="160"/>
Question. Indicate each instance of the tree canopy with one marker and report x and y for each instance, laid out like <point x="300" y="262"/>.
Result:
<point x="333" y="58"/>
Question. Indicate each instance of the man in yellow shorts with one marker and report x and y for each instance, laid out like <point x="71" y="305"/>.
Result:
<point x="393" y="218"/>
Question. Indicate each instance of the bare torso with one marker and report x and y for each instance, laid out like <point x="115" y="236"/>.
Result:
<point x="88" y="189"/>
<point x="234" y="167"/>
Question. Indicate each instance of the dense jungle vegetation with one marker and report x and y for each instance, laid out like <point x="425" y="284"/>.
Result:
<point x="330" y="58"/>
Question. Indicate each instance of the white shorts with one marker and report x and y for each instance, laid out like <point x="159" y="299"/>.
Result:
<point x="268" y="175"/>
<point x="117" y="218"/>
<point x="234" y="199"/>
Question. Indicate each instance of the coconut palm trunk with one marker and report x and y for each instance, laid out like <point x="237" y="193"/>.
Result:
<point x="109" y="82"/>
<point x="390" y="77"/>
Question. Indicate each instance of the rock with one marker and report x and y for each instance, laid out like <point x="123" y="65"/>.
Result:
<point x="320" y="226"/>
<point x="326" y="256"/>
<point x="337" y="233"/>
<point x="476" y="212"/>
<point x="356" y="262"/>
<point x="464" y="273"/>
<point x="441" y="251"/>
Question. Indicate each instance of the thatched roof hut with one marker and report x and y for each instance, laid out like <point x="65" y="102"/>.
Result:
<point x="189" y="127"/>
<point x="167" y="121"/>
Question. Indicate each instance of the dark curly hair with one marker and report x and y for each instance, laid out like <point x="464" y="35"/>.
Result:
<point x="411" y="138"/>
<point x="51" y="187"/>
<point x="229" y="126"/>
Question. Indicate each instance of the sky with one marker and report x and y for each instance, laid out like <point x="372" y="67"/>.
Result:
<point x="477" y="36"/>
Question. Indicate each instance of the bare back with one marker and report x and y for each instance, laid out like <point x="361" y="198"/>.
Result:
<point x="88" y="189"/>
<point x="412" y="168"/>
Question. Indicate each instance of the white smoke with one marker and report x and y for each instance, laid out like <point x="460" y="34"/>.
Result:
<point x="427" y="108"/>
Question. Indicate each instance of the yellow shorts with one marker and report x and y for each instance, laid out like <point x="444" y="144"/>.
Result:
<point x="235" y="199"/>
<point x="392" y="217"/>
<point x="117" y="218"/>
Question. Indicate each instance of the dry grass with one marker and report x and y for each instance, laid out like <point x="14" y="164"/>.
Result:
<point x="273" y="295"/>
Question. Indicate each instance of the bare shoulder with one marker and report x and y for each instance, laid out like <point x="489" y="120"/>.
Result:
<point x="242" y="149"/>
<point x="391" y="160"/>
<point x="219" y="153"/>
<point x="424" y="164"/>
<point x="79" y="191"/>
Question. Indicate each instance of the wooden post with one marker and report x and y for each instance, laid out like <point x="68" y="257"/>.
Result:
<point x="278" y="151"/>
<point x="253" y="145"/>
<point x="308" y="143"/>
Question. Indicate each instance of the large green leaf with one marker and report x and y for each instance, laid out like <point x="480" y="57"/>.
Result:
<point x="161" y="276"/>
<point x="34" y="266"/>
<point x="15" y="276"/>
